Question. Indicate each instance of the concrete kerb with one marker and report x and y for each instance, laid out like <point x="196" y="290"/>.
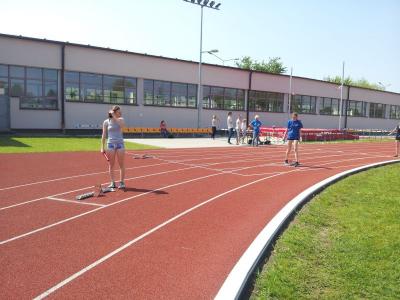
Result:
<point x="240" y="280"/>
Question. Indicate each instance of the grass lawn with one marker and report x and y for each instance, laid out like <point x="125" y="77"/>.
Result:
<point x="344" y="244"/>
<point x="57" y="144"/>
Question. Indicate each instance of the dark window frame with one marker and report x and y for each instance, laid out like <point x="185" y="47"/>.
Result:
<point x="396" y="114"/>
<point x="78" y="84"/>
<point x="150" y="101"/>
<point x="374" y="110"/>
<point x="270" y="99"/>
<point x="206" y="101"/>
<point x="300" y="105"/>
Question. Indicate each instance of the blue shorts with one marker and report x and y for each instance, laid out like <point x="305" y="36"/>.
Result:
<point x="116" y="146"/>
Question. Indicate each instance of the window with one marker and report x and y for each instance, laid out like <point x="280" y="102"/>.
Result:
<point x="356" y="108"/>
<point x="223" y="98"/>
<point x="266" y="101"/>
<point x="303" y="104"/>
<point x="98" y="88"/>
<point x="71" y="86"/>
<point x="192" y="95"/>
<point x="91" y="87"/>
<point x="113" y="88"/>
<point x="36" y="87"/>
<point x="395" y="111"/>
<point x="330" y="106"/>
<point x="179" y="94"/>
<point x="377" y="110"/>
<point x="164" y="93"/>
<point x="3" y="80"/>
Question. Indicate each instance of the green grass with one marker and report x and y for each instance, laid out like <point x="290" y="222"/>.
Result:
<point x="57" y="144"/>
<point x="344" y="244"/>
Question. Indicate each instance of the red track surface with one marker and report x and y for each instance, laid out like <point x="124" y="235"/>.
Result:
<point x="175" y="244"/>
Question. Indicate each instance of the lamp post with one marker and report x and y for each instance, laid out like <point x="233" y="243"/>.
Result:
<point x="341" y="99"/>
<point x="290" y="92"/>
<point x="222" y="60"/>
<point x="384" y="86"/>
<point x="202" y="4"/>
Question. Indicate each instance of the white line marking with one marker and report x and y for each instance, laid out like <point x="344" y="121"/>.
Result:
<point x="96" y="209"/>
<point x="135" y="240"/>
<point x="75" y="202"/>
<point x="88" y="187"/>
<point x="71" y="177"/>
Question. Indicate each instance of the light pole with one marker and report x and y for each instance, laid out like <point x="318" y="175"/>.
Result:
<point x="384" y="86"/>
<point x="223" y="60"/>
<point x="290" y="91"/>
<point x="202" y="4"/>
<point x="341" y="99"/>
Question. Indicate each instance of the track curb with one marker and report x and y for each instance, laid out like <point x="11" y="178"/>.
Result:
<point x="236" y="285"/>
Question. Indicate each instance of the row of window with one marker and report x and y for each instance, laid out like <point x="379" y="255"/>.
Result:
<point x="164" y="93"/>
<point x="88" y="87"/>
<point x="38" y="89"/>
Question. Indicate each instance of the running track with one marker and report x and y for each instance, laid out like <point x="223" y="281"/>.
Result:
<point x="185" y="219"/>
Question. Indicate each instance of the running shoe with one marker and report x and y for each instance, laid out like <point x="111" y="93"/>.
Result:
<point x="296" y="164"/>
<point x="112" y="185"/>
<point x="121" y="185"/>
<point x="286" y="163"/>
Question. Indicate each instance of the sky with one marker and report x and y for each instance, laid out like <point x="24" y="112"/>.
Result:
<point x="312" y="36"/>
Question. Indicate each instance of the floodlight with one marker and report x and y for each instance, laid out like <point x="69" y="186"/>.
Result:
<point x="216" y="6"/>
<point x="212" y="3"/>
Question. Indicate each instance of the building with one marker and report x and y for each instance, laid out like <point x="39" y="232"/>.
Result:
<point x="59" y="85"/>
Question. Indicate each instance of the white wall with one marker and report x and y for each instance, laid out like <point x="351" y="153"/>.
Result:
<point x="33" y="119"/>
<point x="29" y="53"/>
<point x="24" y="52"/>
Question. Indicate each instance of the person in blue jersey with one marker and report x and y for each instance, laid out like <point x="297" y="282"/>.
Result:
<point x="112" y="131"/>
<point x="256" y="124"/>
<point x="397" y="142"/>
<point x="293" y="133"/>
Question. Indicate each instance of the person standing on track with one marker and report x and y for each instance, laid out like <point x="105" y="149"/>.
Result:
<point x="214" y="122"/>
<point x="293" y="133"/>
<point x="229" y="123"/>
<point x="238" y="129"/>
<point x="112" y="130"/>
<point x="256" y="124"/>
<point x="397" y="142"/>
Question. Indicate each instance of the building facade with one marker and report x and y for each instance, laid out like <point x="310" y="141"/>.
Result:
<point x="55" y="85"/>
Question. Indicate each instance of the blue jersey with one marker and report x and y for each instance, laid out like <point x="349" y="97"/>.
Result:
<point x="256" y="124"/>
<point x="294" y="127"/>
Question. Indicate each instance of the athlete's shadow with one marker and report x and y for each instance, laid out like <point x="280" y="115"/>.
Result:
<point x="138" y="190"/>
<point x="313" y="167"/>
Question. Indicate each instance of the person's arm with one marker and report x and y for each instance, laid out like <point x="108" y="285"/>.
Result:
<point x="103" y="136"/>
<point x="120" y="121"/>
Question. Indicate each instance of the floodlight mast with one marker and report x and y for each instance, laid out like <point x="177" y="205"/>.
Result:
<point x="202" y="4"/>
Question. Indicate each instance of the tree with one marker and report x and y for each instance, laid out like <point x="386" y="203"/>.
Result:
<point x="274" y="65"/>
<point x="364" y="83"/>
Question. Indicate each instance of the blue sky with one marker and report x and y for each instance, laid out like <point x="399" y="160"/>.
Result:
<point x="312" y="36"/>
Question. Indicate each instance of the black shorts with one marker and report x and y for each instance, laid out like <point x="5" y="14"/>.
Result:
<point x="398" y="138"/>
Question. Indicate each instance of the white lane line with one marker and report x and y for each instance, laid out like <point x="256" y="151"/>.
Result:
<point x="240" y="273"/>
<point x="147" y="233"/>
<point x="71" y="177"/>
<point x="88" y="187"/>
<point x="97" y="209"/>
<point x="75" y="202"/>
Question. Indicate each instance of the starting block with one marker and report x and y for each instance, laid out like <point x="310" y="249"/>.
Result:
<point x="97" y="192"/>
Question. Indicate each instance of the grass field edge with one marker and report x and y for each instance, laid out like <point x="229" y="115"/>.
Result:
<point x="239" y="282"/>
